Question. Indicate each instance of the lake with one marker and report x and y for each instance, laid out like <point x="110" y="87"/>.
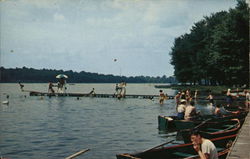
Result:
<point x="33" y="127"/>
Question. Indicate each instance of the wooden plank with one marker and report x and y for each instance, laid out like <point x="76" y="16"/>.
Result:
<point x="77" y="154"/>
<point x="33" y="93"/>
<point x="240" y="148"/>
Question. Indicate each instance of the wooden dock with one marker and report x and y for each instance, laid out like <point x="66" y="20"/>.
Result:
<point x="140" y="96"/>
<point x="34" y="93"/>
<point x="241" y="146"/>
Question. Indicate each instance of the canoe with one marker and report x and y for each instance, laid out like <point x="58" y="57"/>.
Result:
<point x="185" y="151"/>
<point x="189" y="124"/>
<point x="172" y="123"/>
<point x="166" y="122"/>
<point x="211" y="130"/>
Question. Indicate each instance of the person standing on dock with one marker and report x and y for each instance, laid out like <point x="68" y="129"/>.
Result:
<point x="123" y="93"/>
<point x="61" y="85"/>
<point x="92" y="92"/>
<point x="204" y="147"/>
<point x="247" y="94"/>
<point x="116" y="89"/>
<point x="51" y="90"/>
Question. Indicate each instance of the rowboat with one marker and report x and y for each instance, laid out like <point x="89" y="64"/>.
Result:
<point x="188" y="124"/>
<point x="185" y="151"/>
<point x="166" y="122"/>
<point x="211" y="130"/>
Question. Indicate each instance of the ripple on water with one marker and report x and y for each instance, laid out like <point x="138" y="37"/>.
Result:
<point x="60" y="126"/>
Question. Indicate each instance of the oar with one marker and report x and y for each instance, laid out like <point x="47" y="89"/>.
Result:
<point x="202" y="123"/>
<point x="77" y="154"/>
<point x="170" y="135"/>
<point x="159" y="146"/>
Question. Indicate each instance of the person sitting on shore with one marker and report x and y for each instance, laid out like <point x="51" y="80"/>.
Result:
<point x="204" y="147"/>
<point x="181" y="109"/>
<point x="190" y="111"/>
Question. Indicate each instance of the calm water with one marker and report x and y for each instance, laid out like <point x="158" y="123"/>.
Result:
<point x="57" y="127"/>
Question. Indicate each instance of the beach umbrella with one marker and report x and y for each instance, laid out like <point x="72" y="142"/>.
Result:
<point x="61" y="76"/>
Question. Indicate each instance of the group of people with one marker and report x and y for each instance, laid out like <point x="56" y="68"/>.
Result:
<point x="120" y="89"/>
<point x="185" y="105"/>
<point x="61" y="86"/>
<point x="230" y="97"/>
<point x="186" y="110"/>
<point x="184" y="95"/>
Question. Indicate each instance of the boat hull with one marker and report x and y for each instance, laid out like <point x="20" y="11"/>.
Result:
<point x="180" y="151"/>
<point x="214" y="130"/>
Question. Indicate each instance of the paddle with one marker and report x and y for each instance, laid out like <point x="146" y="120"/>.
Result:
<point x="202" y="123"/>
<point x="77" y="154"/>
<point x="170" y="135"/>
<point x="159" y="146"/>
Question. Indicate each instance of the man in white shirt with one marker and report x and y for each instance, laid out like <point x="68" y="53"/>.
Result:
<point x="181" y="109"/>
<point x="204" y="147"/>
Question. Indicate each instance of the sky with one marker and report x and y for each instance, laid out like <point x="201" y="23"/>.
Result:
<point x="120" y="37"/>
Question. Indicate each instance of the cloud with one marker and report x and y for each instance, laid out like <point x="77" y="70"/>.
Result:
<point x="92" y="33"/>
<point x="58" y="17"/>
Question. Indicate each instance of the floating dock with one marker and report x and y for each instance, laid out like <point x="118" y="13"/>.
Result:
<point x="240" y="148"/>
<point x="33" y="93"/>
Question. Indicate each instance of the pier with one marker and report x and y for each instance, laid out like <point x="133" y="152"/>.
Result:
<point x="33" y="93"/>
<point x="103" y="95"/>
<point x="240" y="148"/>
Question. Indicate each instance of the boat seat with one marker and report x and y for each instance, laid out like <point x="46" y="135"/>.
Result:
<point x="213" y="129"/>
<point x="226" y="125"/>
<point x="182" y="154"/>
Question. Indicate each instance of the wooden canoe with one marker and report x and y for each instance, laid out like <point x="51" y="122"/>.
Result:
<point x="185" y="151"/>
<point x="214" y="130"/>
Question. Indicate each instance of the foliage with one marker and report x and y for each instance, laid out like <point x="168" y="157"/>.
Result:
<point x="216" y="50"/>
<point x="30" y="75"/>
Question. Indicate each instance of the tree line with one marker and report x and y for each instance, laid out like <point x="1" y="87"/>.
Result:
<point x="31" y="75"/>
<point x="216" y="51"/>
